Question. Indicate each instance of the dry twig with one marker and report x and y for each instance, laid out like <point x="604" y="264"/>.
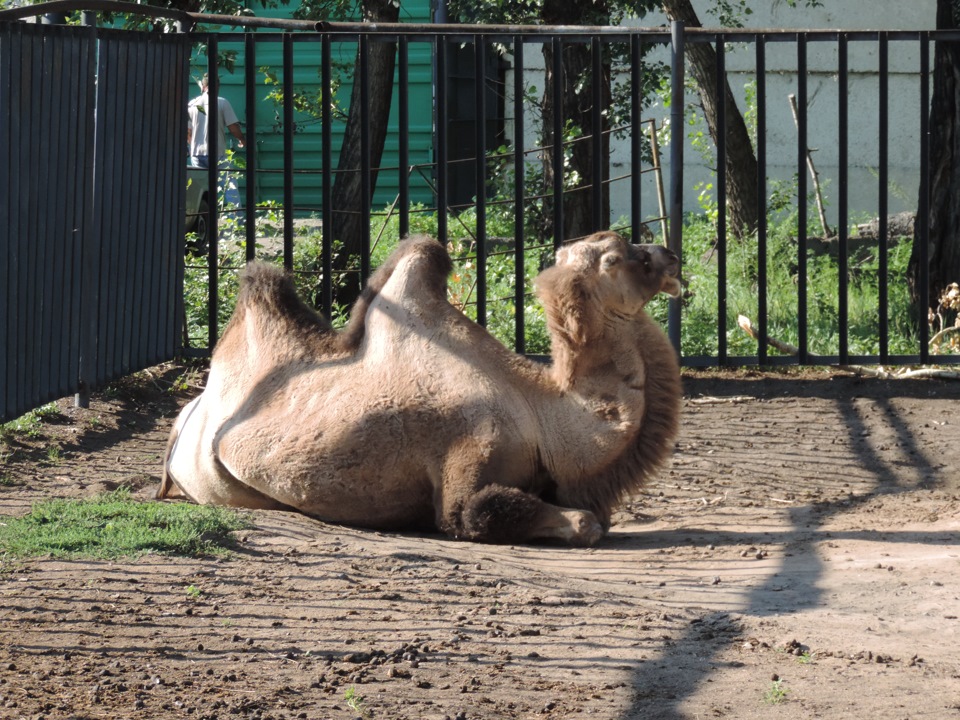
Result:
<point x="879" y="372"/>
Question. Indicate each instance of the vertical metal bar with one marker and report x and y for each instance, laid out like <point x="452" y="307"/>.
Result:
<point x="883" y="162"/>
<point x="557" y="123"/>
<point x="82" y="335"/>
<point x="213" y="229"/>
<point x="636" y="136"/>
<point x="326" y="189"/>
<point x="111" y="78"/>
<point x="596" y="119"/>
<point x="170" y="280"/>
<point x="149" y="227"/>
<point x="923" y="211"/>
<point x="843" y="176"/>
<point x="403" y="50"/>
<point x="137" y="233"/>
<point x="762" y="198"/>
<point x="440" y="125"/>
<point x="18" y="233"/>
<point x="480" y="134"/>
<point x="146" y="327"/>
<point x="58" y="296"/>
<point x="39" y="89"/>
<point x="288" y="134"/>
<point x="74" y="213"/>
<point x="250" y="85"/>
<point x="365" y="162"/>
<point x="90" y="239"/>
<point x="48" y="234"/>
<point x="802" y="231"/>
<point x="721" y="202"/>
<point x="678" y="51"/>
<point x="519" y="176"/>
<point x="7" y="212"/>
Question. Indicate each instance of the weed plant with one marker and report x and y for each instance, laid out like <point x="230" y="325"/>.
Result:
<point x="31" y="423"/>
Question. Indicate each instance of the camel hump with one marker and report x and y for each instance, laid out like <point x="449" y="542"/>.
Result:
<point x="431" y="263"/>
<point x="269" y="289"/>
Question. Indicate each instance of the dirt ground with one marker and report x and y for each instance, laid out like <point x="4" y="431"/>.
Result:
<point x="798" y="559"/>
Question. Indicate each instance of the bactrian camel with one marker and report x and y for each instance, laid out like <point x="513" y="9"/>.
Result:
<point x="415" y="418"/>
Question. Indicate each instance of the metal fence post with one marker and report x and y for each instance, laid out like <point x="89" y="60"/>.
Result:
<point x="675" y="242"/>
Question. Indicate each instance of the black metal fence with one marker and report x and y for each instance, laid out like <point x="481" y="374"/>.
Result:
<point x="93" y="207"/>
<point x="814" y="329"/>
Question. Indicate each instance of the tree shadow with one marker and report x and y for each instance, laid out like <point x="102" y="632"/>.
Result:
<point x="662" y="686"/>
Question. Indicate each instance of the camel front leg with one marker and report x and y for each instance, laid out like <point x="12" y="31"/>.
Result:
<point x="499" y="514"/>
<point x="470" y="504"/>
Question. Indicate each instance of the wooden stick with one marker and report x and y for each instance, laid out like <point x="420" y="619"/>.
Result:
<point x="942" y="334"/>
<point x="827" y="232"/>
<point x="901" y="374"/>
<point x="750" y="329"/>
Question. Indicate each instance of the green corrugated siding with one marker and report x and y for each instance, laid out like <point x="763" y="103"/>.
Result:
<point x="307" y="140"/>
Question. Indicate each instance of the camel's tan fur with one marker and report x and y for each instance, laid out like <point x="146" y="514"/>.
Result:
<point x="414" y="417"/>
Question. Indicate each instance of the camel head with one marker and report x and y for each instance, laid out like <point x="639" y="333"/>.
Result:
<point x="603" y="277"/>
<point x="626" y="276"/>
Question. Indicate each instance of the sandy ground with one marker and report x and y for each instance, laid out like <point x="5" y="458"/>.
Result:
<point x="798" y="559"/>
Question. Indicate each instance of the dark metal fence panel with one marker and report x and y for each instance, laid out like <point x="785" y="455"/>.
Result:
<point x="820" y="309"/>
<point x="92" y="196"/>
<point x="140" y="187"/>
<point x="45" y="132"/>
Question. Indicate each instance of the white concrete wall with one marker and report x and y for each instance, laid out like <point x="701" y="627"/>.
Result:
<point x="822" y="101"/>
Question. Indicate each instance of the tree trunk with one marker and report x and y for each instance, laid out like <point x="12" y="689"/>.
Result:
<point x="944" y="215"/>
<point x="741" y="164"/>
<point x="576" y="104"/>
<point x="348" y="215"/>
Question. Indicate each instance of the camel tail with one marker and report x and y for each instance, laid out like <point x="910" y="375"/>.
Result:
<point x="166" y="481"/>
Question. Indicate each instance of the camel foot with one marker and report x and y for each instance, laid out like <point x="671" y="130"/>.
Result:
<point x="583" y="529"/>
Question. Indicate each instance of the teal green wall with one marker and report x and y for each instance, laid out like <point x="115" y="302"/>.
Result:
<point x="307" y="148"/>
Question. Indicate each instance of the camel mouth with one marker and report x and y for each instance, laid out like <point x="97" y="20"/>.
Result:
<point x="671" y="286"/>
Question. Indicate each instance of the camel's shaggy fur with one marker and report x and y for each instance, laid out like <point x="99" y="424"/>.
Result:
<point x="414" y="417"/>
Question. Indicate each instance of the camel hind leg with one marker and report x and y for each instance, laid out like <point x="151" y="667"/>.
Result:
<point x="499" y="514"/>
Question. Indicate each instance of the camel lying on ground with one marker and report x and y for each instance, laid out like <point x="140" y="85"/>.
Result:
<point x="415" y="418"/>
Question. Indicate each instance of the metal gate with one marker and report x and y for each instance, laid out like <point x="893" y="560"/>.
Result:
<point x="92" y="184"/>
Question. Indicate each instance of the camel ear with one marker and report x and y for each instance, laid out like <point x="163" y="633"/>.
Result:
<point x="610" y="259"/>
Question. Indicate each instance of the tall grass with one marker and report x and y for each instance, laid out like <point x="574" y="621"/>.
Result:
<point x="700" y="315"/>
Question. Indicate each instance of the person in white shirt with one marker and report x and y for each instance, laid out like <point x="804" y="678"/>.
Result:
<point x="198" y="129"/>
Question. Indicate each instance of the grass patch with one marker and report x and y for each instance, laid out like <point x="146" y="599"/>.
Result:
<point x="29" y="425"/>
<point x="114" y="525"/>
